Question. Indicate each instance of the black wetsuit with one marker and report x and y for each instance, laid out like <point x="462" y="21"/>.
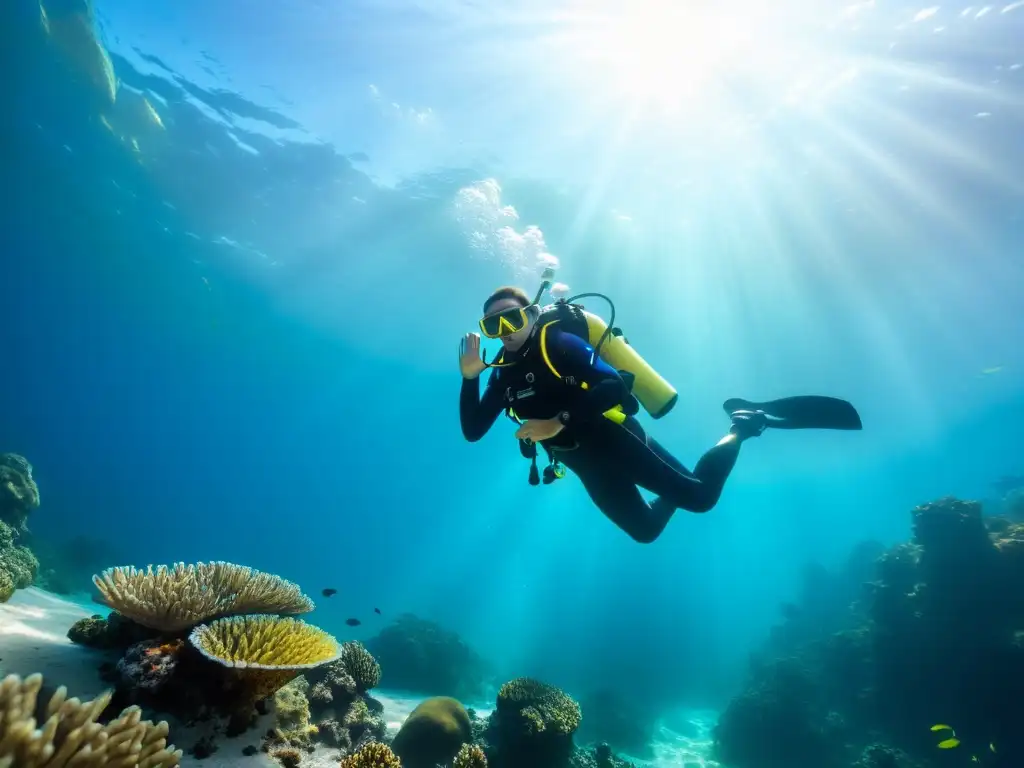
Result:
<point x="610" y="459"/>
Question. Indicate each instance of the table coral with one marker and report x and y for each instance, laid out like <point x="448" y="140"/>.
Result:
<point x="172" y="599"/>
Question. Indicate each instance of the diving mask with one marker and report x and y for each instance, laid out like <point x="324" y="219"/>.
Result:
<point x="508" y="321"/>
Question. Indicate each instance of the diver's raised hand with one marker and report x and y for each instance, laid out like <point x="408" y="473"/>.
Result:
<point x="469" y="356"/>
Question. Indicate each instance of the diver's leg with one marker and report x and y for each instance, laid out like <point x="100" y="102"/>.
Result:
<point x="651" y="466"/>
<point x="616" y="495"/>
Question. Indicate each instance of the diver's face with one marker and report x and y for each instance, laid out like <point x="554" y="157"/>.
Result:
<point x="512" y="341"/>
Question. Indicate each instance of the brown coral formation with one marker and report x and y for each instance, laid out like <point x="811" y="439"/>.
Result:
<point x="470" y="756"/>
<point x="19" y="494"/>
<point x="71" y="733"/>
<point x="433" y="733"/>
<point x="18" y="566"/>
<point x="375" y="755"/>
<point x="937" y="630"/>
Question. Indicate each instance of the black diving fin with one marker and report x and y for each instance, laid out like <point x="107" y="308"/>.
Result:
<point x="802" y="412"/>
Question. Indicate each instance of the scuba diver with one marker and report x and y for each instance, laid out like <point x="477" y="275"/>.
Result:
<point x="574" y="385"/>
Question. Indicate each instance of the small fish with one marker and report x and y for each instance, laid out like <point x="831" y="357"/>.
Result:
<point x="949" y="743"/>
<point x="991" y="371"/>
<point x="992" y="748"/>
<point x="975" y="759"/>
<point x="941" y="727"/>
<point x="328" y="592"/>
<point x="377" y="611"/>
<point x="353" y="622"/>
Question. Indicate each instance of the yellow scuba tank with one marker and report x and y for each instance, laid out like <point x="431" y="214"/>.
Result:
<point x="653" y="392"/>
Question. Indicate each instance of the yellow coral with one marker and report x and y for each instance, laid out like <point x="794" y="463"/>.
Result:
<point x="71" y="735"/>
<point x="174" y="598"/>
<point x="264" y="642"/>
<point x="268" y="650"/>
<point x="374" y="755"/>
<point x="470" y="756"/>
<point x="541" y="707"/>
<point x="361" y="665"/>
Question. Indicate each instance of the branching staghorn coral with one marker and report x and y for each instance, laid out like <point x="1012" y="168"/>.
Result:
<point x="71" y="736"/>
<point x="266" y="650"/>
<point x="375" y="755"/>
<point x="177" y="598"/>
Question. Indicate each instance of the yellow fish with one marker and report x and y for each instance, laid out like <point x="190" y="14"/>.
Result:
<point x="949" y="743"/>
<point x="941" y="727"/>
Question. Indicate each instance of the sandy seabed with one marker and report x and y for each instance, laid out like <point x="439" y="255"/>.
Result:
<point x="33" y="638"/>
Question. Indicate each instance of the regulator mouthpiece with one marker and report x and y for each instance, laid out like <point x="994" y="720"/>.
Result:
<point x="547" y="277"/>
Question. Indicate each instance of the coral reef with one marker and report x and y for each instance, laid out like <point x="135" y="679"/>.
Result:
<point x="470" y="756"/>
<point x="177" y="598"/>
<point x="532" y="724"/>
<point x="291" y="714"/>
<point x="222" y="669"/>
<point x="19" y="494"/>
<point x="344" y="714"/>
<point x="114" y="632"/>
<point x="433" y="733"/>
<point x="360" y="665"/>
<point x="71" y="733"/>
<point x="18" y="566"/>
<point x="934" y="637"/>
<point x="374" y="755"/>
<point x="419" y="655"/>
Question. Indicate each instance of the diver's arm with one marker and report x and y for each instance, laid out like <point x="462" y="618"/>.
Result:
<point x="605" y="388"/>
<point x="477" y="414"/>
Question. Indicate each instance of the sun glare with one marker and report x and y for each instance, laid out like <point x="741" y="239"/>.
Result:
<point x="673" y="56"/>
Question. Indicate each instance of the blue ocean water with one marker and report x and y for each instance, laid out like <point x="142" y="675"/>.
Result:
<point x="232" y="296"/>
